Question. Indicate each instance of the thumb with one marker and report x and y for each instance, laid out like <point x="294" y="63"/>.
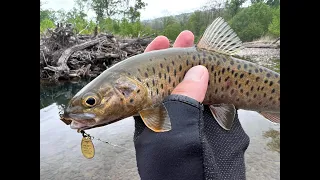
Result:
<point x="194" y="84"/>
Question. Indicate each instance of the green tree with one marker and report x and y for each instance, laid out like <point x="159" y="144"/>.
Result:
<point x="232" y="7"/>
<point x="134" y="14"/>
<point x="274" y="27"/>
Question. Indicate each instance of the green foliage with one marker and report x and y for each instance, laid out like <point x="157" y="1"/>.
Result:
<point x="252" y="22"/>
<point x="274" y="27"/>
<point x="45" y="24"/>
<point x="172" y="30"/>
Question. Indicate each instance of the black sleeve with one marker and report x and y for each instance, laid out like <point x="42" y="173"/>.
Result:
<point x="196" y="148"/>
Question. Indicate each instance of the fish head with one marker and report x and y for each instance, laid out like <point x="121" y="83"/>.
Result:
<point x="102" y="103"/>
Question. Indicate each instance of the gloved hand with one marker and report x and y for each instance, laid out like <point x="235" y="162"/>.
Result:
<point x="196" y="147"/>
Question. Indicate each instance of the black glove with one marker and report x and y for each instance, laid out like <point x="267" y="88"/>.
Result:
<point x="196" y="147"/>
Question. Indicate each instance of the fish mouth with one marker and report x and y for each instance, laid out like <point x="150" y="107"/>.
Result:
<point x="79" y="121"/>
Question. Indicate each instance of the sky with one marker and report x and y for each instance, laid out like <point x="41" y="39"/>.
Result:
<point x="154" y="9"/>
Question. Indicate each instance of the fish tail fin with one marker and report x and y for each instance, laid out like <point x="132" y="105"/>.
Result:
<point x="219" y="37"/>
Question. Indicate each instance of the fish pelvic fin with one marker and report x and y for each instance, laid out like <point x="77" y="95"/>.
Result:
<point x="273" y="117"/>
<point x="219" y="37"/>
<point x="156" y="118"/>
<point x="224" y="114"/>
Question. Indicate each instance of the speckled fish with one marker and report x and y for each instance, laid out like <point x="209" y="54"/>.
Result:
<point x="138" y="85"/>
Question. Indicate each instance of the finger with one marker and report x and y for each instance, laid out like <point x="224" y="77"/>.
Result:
<point x="185" y="39"/>
<point x="194" y="84"/>
<point x="160" y="42"/>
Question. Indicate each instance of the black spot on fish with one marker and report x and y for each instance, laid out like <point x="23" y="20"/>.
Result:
<point x="204" y="54"/>
<point x="209" y="82"/>
<point x="226" y="79"/>
<point x="187" y="62"/>
<point x="222" y="89"/>
<point x="150" y="59"/>
<point x="153" y="82"/>
<point x="249" y="100"/>
<point x="173" y="61"/>
<point x="162" y="94"/>
<point x="210" y="58"/>
<point x="215" y="74"/>
<point x="245" y="66"/>
<point x="131" y="100"/>
<point x="219" y="79"/>
<point x="214" y="57"/>
<point x="260" y="103"/>
<point x="199" y="56"/>
<point x="256" y="70"/>
<point x="216" y="91"/>
<point x="147" y="69"/>
<point x="236" y="74"/>
<point x="239" y="86"/>
<point x="258" y="88"/>
<point x="138" y="90"/>
<point x="222" y="96"/>
<point x="268" y="75"/>
<point x="260" y="69"/>
<point x="174" y="84"/>
<point x="157" y="91"/>
<point x="161" y="65"/>
<point x="273" y="90"/>
<point x="224" y="59"/>
<point x="178" y="57"/>
<point x="161" y="85"/>
<point x="194" y="57"/>
<point x="257" y="79"/>
<point x="251" y="88"/>
<point x="218" y="56"/>
<point x="278" y="99"/>
<point x="266" y="81"/>
<point x="250" y="71"/>
<point x="129" y="74"/>
<point x="160" y="75"/>
<point x="227" y="87"/>
<point x="237" y="99"/>
<point x="175" y="72"/>
<point x="270" y="98"/>
<point x="151" y="93"/>
<point x="146" y="74"/>
<point x="228" y="69"/>
<point x="204" y="60"/>
<point x="274" y="102"/>
<point x="270" y="83"/>
<point x="264" y="95"/>
<point x="179" y="79"/>
<point x="218" y="63"/>
<point x="192" y="64"/>
<point x="168" y="69"/>
<point x="148" y="84"/>
<point x="154" y="71"/>
<point x="165" y="76"/>
<point x="239" y="67"/>
<point x="247" y="82"/>
<point x="254" y="96"/>
<point x="165" y="59"/>
<point x="219" y="73"/>
<point x="232" y="71"/>
<point x="180" y="68"/>
<point x="247" y="93"/>
<point x="212" y="68"/>
<point x="169" y="79"/>
<point x="279" y="82"/>
<point x="236" y="82"/>
<point x="139" y="70"/>
<point x="223" y="70"/>
<point x="232" y="91"/>
<point x="241" y="90"/>
<point x="262" y="88"/>
<point x="169" y="91"/>
<point x="232" y="62"/>
<point x="199" y="62"/>
<point x="139" y="79"/>
<point x="241" y="75"/>
<point x="121" y="99"/>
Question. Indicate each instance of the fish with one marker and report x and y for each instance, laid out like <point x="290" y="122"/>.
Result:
<point x="137" y="85"/>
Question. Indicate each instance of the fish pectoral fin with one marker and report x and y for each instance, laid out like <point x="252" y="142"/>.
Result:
<point x="273" y="117"/>
<point x="219" y="37"/>
<point x="156" y="118"/>
<point x="224" y="114"/>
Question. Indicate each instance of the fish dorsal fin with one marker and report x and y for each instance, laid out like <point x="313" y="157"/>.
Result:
<point x="219" y="37"/>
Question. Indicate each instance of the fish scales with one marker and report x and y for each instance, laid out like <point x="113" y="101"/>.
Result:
<point x="231" y="80"/>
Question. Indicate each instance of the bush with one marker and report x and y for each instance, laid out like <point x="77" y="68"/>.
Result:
<point x="45" y="24"/>
<point x="252" y="22"/>
<point x="274" y="27"/>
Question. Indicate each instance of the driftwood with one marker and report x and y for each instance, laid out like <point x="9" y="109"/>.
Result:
<point x="66" y="55"/>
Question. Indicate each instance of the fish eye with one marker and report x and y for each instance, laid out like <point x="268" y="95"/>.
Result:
<point x="90" y="101"/>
